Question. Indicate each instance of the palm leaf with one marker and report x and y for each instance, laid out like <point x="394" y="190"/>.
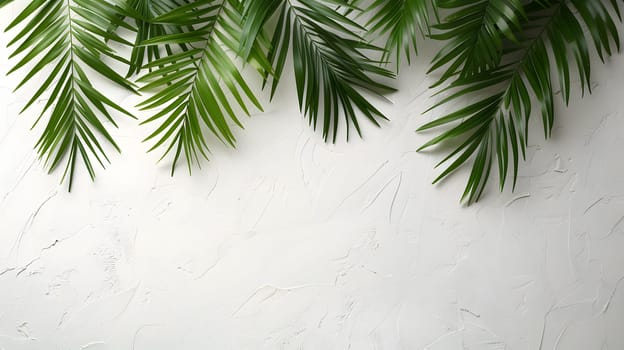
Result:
<point x="144" y="12"/>
<point x="475" y="33"/>
<point x="330" y="65"/>
<point x="68" y="37"/>
<point x="403" y="23"/>
<point x="494" y="128"/>
<point x="201" y="87"/>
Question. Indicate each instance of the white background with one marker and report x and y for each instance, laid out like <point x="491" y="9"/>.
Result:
<point x="291" y="243"/>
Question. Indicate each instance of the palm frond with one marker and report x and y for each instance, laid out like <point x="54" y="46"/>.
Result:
<point x="200" y="87"/>
<point x="403" y="22"/>
<point x="68" y="36"/>
<point x="5" y="2"/>
<point x="494" y="128"/>
<point x="475" y="33"/>
<point x="330" y="66"/>
<point x="144" y="12"/>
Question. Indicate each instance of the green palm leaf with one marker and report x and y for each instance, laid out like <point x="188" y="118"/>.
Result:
<point x="494" y="128"/>
<point x="403" y="22"/>
<point x="475" y="34"/>
<point x="68" y="36"/>
<point x="330" y="66"/>
<point x="201" y="87"/>
<point x="144" y="12"/>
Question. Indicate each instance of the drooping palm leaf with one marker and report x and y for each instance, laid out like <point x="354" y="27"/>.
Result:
<point x="494" y="128"/>
<point x="201" y="87"/>
<point x="4" y="2"/>
<point x="67" y="36"/>
<point x="330" y="65"/>
<point x="403" y="22"/>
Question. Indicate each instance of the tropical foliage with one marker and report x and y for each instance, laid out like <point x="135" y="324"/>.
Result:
<point x="70" y="38"/>
<point x="500" y="53"/>
<point x="191" y="59"/>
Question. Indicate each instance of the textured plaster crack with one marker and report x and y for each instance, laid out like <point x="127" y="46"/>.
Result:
<point x="273" y="291"/>
<point x="517" y="198"/>
<point x="7" y="270"/>
<point x="378" y="194"/>
<point x="303" y="174"/>
<point x="473" y="314"/>
<point x="266" y="206"/>
<point x="214" y="264"/>
<point x="19" y="180"/>
<point x="214" y="186"/>
<point x="593" y="205"/>
<point x="29" y="223"/>
<point x="559" y="337"/>
<point x="608" y="302"/>
<point x="320" y="323"/>
<point x="359" y="187"/>
<point x="22" y="330"/>
<point x="442" y="337"/>
<point x="136" y="334"/>
<point x="92" y="344"/>
<point x="24" y="268"/>
<point x="394" y="197"/>
<point x="127" y="304"/>
<point x="614" y="227"/>
<point x="569" y="236"/>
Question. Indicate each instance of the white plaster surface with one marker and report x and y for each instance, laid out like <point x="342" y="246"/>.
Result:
<point x="291" y="243"/>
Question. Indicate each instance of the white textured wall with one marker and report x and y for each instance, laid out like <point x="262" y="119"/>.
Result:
<point x="290" y="243"/>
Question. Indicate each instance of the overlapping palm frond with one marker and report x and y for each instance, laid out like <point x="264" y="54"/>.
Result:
<point x="68" y="36"/>
<point x="508" y="57"/>
<point x="403" y="22"/>
<point x="475" y="35"/>
<point x="494" y="127"/>
<point x="330" y="66"/>
<point x="201" y="87"/>
<point x="144" y="12"/>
